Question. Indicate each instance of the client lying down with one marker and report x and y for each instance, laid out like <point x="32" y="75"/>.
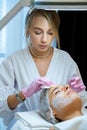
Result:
<point x="60" y="107"/>
<point x="59" y="104"/>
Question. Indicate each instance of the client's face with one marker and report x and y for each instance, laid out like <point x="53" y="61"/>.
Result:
<point x="64" y="101"/>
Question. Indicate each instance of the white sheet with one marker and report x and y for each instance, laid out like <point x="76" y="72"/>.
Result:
<point x="77" y="123"/>
<point x="33" y="121"/>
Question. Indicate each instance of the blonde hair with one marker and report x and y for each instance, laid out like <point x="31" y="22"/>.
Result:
<point x="51" y="16"/>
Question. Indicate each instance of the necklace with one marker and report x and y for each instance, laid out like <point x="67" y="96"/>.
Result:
<point x="40" y="57"/>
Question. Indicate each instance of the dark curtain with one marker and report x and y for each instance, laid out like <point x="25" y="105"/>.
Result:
<point x="73" y="37"/>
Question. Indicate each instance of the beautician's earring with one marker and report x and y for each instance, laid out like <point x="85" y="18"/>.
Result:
<point x="28" y="39"/>
<point x="27" y="35"/>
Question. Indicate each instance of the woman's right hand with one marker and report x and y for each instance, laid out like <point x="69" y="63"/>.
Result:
<point x="35" y="86"/>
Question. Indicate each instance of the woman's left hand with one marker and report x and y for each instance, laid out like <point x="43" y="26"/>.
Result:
<point x="76" y="84"/>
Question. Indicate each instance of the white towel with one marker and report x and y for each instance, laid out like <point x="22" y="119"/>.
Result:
<point x="77" y="123"/>
<point x="33" y="121"/>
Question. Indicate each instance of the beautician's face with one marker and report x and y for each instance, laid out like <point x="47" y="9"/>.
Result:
<point x="41" y="34"/>
<point x="64" y="101"/>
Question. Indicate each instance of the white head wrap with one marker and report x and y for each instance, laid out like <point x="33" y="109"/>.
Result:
<point x="45" y="109"/>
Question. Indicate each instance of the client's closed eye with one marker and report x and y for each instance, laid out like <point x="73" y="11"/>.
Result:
<point x="57" y="92"/>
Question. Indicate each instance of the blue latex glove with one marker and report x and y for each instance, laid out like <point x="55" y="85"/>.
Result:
<point x="76" y="84"/>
